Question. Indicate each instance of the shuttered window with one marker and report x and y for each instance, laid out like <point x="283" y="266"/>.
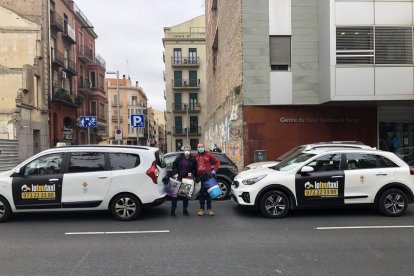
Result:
<point x="374" y="45"/>
<point x="354" y="45"/>
<point x="280" y="53"/>
<point x="393" y="45"/>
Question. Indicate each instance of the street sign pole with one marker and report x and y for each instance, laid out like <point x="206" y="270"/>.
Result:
<point x="89" y="136"/>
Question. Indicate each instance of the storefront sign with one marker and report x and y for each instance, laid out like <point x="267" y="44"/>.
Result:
<point x="318" y="120"/>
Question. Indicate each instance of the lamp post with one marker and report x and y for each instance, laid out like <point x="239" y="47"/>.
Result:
<point x="188" y="122"/>
<point x="117" y="100"/>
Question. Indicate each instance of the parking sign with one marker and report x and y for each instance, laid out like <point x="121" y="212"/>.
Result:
<point x="87" y="121"/>
<point x="137" y="120"/>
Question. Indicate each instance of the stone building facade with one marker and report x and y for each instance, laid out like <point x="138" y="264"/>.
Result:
<point x="24" y="75"/>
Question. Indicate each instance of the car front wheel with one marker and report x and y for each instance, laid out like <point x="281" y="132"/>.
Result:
<point x="274" y="204"/>
<point x="125" y="207"/>
<point x="393" y="203"/>
<point x="5" y="210"/>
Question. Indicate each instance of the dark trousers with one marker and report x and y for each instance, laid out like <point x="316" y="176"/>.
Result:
<point x="174" y="203"/>
<point x="204" y="197"/>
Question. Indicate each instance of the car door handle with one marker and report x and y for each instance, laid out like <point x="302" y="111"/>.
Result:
<point x="102" y="177"/>
<point x="382" y="174"/>
<point x="53" y="179"/>
<point x="337" y="176"/>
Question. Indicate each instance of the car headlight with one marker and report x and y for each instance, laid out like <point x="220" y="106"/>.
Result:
<point x="253" y="180"/>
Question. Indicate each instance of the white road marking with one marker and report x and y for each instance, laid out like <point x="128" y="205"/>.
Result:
<point x="117" y="232"/>
<point x="364" y="227"/>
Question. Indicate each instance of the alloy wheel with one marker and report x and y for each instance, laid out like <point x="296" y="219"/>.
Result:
<point x="275" y="205"/>
<point x="125" y="207"/>
<point x="394" y="203"/>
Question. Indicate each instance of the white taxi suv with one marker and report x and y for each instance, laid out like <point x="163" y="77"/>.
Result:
<point x="120" y="179"/>
<point x="328" y="178"/>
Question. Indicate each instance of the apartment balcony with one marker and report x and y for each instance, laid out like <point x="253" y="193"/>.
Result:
<point x="66" y="97"/>
<point x="182" y="131"/>
<point x="86" y="54"/>
<point x="70" y="67"/>
<point x="69" y="34"/>
<point x="56" y="22"/>
<point x="182" y="108"/>
<point x="115" y="119"/>
<point x="58" y="58"/>
<point x="189" y="84"/>
<point x="185" y="61"/>
<point x="84" y="84"/>
<point x="100" y="61"/>
<point x="114" y="104"/>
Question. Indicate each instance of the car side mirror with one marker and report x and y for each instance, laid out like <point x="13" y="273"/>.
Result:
<point x="306" y="169"/>
<point x="16" y="172"/>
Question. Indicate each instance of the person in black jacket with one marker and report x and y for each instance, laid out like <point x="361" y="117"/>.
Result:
<point x="183" y="166"/>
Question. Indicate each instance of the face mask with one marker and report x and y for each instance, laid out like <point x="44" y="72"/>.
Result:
<point x="187" y="153"/>
<point x="201" y="150"/>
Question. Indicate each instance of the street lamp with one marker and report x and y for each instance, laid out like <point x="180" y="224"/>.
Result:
<point x="118" y="99"/>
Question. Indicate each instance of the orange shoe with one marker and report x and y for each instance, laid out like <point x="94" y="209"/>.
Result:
<point x="210" y="212"/>
<point x="201" y="212"/>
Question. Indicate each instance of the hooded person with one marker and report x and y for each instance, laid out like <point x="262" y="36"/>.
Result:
<point x="204" y="161"/>
<point x="184" y="165"/>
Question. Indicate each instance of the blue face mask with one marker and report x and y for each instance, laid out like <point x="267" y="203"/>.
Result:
<point x="201" y="150"/>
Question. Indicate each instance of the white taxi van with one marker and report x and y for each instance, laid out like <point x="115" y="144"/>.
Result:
<point x="117" y="178"/>
<point x="328" y="177"/>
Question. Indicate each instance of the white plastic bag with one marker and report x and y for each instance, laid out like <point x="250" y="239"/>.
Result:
<point x="187" y="187"/>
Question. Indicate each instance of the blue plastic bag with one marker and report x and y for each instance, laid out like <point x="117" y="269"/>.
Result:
<point x="210" y="183"/>
<point x="214" y="192"/>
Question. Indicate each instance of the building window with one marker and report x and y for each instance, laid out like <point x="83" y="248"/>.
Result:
<point x="194" y="143"/>
<point x="93" y="79"/>
<point x="354" y="45"/>
<point x="134" y="100"/>
<point x="178" y="144"/>
<point x="178" y="125"/>
<point x="101" y="81"/>
<point x="178" y="78"/>
<point x="192" y="55"/>
<point x="93" y="109"/>
<point x="177" y="56"/>
<point x="102" y="111"/>
<point x="280" y="53"/>
<point x="193" y="78"/>
<point x="393" y="45"/>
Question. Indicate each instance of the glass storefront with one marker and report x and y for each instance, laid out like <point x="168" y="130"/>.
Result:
<point x="398" y="137"/>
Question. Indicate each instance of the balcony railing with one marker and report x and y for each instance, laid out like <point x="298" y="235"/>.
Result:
<point x="199" y="33"/>
<point x="65" y="96"/>
<point x="84" y="84"/>
<point x="115" y="119"/>
<point x="86" y="54"/>
<point x="69" y="34"/>
<point x="70" y="66"/>
<point x="114" y="104"/>
<point x="80" y="14"/>
<point x="192" y="107"/>
<point x="185" y="61"/>
<point x="58" y="57"/>
<point x="100" y="61"/>
<point x="186" y="84"/>
<point x="193" y="130"/>
<point x="56" y="22"/>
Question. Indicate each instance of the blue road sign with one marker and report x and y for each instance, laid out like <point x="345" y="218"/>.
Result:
<point x="87" y="121"/>
<point x="137" y="120"/>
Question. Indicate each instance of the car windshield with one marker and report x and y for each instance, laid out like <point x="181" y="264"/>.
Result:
<point x="290" y="153"/>
<point x="292" y="162"/>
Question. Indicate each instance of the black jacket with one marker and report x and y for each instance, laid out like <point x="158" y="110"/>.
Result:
<point x="192" y="165"/>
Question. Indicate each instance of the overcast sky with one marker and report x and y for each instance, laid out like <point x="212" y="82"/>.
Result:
<point x="130" y="37"/>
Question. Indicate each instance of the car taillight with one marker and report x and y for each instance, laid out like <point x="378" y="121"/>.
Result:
<point x="153" y="172"/>
<point x="412" y="170"/>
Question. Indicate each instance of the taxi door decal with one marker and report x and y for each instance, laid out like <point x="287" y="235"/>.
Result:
<point x="320" y="188"/>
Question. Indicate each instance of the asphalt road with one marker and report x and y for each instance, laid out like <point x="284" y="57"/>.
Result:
<point x="234" y="242"/>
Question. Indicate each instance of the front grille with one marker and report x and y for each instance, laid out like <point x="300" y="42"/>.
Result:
<point x="246" y="197"/>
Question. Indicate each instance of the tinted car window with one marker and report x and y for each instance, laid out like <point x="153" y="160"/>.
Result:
<point x="384" y="162"/>
<point x="123" y="161"/>
<point x="49" y="164"/>
<point x="169" y="159"/>
<point x="356" y="161"/>
<point x="329" y="162"/>
<point x="292" y="161"/>
<point x="86" y="162"/>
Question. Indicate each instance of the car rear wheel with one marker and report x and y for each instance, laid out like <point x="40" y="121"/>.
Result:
<point x="5" y="210"/>
<point x="125" y="207"/>
<point x="393" y="203"/>
<point x="274" y="204"/>
<point x="225" y="189"/>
